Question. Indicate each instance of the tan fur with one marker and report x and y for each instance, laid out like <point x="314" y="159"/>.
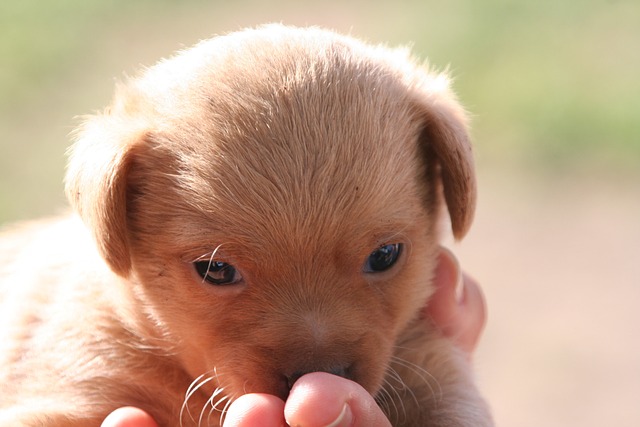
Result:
<point x="289" y="153"/>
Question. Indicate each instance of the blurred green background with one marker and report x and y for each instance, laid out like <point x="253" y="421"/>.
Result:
<point x="554" y="91"/>
<point x="554" y="87"/>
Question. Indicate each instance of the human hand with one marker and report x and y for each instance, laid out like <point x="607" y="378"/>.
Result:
<point x="129" y="416"/>
<point x="457" y="308"/>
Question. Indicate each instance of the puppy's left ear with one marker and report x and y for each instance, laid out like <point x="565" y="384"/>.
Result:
<point x="445" y="135"/>
<point x="97" y="183"/>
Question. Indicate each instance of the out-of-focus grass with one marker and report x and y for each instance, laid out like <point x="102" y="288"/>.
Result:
<point x="553" y="87"/>
<point x="49" y="51"/>
<point x="560" y="80"/>
<point x="39" y="39"/>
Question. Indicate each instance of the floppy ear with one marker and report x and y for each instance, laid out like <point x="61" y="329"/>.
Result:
<point x="445" y="136"/>
<point x="96" y="183"/>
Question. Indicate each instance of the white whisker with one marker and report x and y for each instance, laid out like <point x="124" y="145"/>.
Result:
<point x="224" y="411"/>
<point x="191" y="390"/>
<point x="385" y="399"/>
<point x="219" y="402"/>
<point x="211" y="259"/>
<point x="425" y="375"/>
<point x="210" y="402"/>
<point x="395" y="389"/>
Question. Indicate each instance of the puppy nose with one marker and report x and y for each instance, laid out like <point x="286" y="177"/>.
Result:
<point x="340" y="371"/>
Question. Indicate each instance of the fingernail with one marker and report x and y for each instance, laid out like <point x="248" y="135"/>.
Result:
<point x="345" y="419"/>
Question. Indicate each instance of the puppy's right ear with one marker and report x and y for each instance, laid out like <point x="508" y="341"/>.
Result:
<point x="96" y="183"/>
<point x="445" y="135"/>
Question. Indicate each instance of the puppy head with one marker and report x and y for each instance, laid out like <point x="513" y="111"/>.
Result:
<point x="272" y="196"/>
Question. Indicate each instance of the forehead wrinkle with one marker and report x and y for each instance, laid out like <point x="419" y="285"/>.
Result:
<point x="313" y="160"/>
<point x="289" y="238"/>
<point x="294" y="152"/>
<point x="261" y="206"/>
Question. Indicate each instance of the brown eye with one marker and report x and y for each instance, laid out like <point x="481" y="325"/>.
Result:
<point x="383" y="258"/>
<point x="217" y="273"/>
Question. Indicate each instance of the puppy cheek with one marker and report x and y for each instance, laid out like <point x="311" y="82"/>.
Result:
<point x="373" y="365"/>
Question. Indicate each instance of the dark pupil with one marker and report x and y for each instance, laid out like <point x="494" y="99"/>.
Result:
<point x="384" y="257"/>
<point x="216" y="272"/>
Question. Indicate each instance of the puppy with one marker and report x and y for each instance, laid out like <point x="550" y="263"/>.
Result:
<point x="263" y="205"/>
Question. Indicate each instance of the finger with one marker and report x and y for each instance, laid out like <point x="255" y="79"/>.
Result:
<point x="472" y="313"/>
<point x="457" y="307"/>
<point x="322" y="400"/>
<point x="443" y="304"/>
<point x="255" y="410"/>
<point x="129" y="417"/>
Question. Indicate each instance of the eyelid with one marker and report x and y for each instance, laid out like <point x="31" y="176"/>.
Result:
<point x="392" y="239"/>
<point x="208" y="256"/>
<point x="384" y="239"/>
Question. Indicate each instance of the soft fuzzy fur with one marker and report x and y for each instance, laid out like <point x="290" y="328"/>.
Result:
<point x="291" y="154"/>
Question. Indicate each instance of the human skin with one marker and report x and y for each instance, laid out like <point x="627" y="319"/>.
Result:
<point x="318" y="399"/>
